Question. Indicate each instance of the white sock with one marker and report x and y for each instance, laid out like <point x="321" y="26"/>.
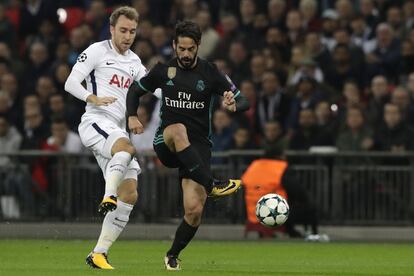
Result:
<point x="112" y="226"/>
<point x="115" y="172"/>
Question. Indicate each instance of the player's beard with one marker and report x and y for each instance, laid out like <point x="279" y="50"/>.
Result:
<point x="187" y="63"/>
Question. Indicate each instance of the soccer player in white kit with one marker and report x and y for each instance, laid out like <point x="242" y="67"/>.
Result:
<point x="109" y="67"/>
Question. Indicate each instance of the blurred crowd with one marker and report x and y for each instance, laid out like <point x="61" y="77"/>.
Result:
<point x="317" y="73"/>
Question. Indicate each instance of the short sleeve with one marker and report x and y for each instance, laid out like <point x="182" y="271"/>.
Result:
<point x="151" y="81"/>
<point x="88" y="59"/>
<point x="142" y="71"/>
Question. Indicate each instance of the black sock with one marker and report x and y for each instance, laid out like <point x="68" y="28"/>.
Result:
<point x="184" y="234"/>
<point x="197" y="172"/>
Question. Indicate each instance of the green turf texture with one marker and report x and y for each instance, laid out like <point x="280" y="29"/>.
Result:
<point x="52" y="257"/>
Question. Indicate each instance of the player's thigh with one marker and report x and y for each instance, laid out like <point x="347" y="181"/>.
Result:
<point x="194" y="196"/>
<point x="100" y="134"/>
<point x="204" y="152"/>
<point x="165" y="155"/>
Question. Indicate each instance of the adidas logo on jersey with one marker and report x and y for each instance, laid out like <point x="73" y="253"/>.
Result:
<point x="170" y="83"/>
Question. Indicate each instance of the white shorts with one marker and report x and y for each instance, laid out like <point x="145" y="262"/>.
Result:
<point x="99" y="133"/>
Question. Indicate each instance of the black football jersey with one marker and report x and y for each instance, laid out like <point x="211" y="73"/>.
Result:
<point x="188" y="95"/>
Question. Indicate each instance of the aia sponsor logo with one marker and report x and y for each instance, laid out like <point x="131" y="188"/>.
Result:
<point x="120" y="81"/>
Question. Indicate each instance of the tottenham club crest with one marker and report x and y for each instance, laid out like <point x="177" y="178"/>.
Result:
<point x="200" y="86"/>
<point x="82" y="57"/>
<point x="132" y="71"/>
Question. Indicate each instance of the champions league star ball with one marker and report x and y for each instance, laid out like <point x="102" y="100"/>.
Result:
<point x="272" y="210"/>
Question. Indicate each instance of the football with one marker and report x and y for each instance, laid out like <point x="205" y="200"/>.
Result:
<point x="272" y="210"/>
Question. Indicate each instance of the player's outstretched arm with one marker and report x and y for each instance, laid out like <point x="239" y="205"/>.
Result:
<point x="235" y="102"/>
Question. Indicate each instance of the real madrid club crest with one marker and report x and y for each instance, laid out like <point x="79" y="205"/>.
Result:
<point x="132" y="71"/>
<point x="200" y="86"/>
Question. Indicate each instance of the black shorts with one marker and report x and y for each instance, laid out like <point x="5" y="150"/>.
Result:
<point x="170" y="159"/>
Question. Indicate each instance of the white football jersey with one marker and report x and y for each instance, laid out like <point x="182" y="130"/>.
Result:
<point x="109" y="74"/>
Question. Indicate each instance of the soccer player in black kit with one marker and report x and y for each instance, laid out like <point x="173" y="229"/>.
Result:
<point x="189" y="86"/>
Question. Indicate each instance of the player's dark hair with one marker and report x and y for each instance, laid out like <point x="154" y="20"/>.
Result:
<point x="126" y="11"/>
<point x="187" y="29"/>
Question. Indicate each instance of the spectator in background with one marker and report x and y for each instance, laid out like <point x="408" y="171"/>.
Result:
<point x="45" y="87"/>
<point x="62" y="138"/>
<point x="80" y="38"/>
<point x="14" y="63"/>
<point x="402" y="99"/>
<point x="7" y="30"/>
<point x="406" y="62"/>
<point x="369" y="13"/>
<point x="248" y="118"/>
<point x="98" y="20"/>
<point x="62" y="52"/>
<point x="307" y="68"/>
<point x="257" y="69"/>
<point x="330" y="22"/>
<point x="394" y="135"/>
<point x="395" y="20"/>
<point x="60" y="73"/>
<point x="306" y="135"/>
<point x="410" y="85"/>
<point x="276" y="10"/>
<point x="273" y="103"/>
<point x="378" y="97"/>
<point x="307" y="95"/>
<point x="161" y="42"/>
<point x="144" y="49"/>
<point x="145" y="30"/>
<point x="59" y="108"/>
<point x="326" y="122"/>
<point x="316" y="51"/>
<point x="10" y="86"/>
<point x="309" y="10"/>
<point x="242" y="140"/>
<point x="343" y="68"/>
<point x="10" y="140"/>
<point x="247" y="9"/>
<point x="229" y="25"/>
<point x="35" y="134"/>
<point x="356" y="136"/>
<point x="386" y="53"/>
<point x="38" y="65"/>
<point x="345" y="11"/>
<point x="351" y="97"/>
<point x="239" y="61"/>
<point x="33" y="12"/>
<point x="223" y="130"/>
<point x="273" y="137"/>
<point x="361" y="33"/>
<point x="294" y="25"/>
<point x="210" y="38"/>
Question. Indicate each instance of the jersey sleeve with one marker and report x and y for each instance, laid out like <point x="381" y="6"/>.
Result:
<point x="88" y="59"/>
<point x="224" y="83"/>
<point x="142" y="71"/>
<point x="151" y="81"/>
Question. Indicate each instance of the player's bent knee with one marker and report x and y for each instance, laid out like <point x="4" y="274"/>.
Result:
<point x="128" y="197"/>
<point x="194" y="212"/>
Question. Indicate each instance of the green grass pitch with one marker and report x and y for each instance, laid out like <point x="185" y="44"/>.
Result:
<point x="250" y="258"/>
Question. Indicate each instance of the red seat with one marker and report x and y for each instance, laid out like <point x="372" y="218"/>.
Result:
<point x="75" y="17"/>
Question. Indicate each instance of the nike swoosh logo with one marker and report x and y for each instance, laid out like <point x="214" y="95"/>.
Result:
<point x="121" y="220"/>
<point x="229" y="188"/>
<point x="110" y="63"/>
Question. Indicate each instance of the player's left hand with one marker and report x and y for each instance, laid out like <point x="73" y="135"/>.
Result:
<point x="229" y="102"/>
<point x="135" y="125"/>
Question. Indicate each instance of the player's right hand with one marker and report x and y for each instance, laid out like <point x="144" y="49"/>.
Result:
<point x="100" y="101"/>
<point x="135" y="125"/>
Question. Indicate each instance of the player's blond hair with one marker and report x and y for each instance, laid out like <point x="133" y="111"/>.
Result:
<point x="126" y="11"/>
